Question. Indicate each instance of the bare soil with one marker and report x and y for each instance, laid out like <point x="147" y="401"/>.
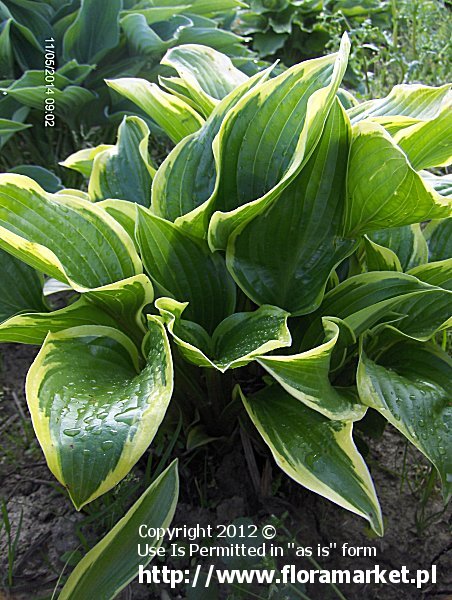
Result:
<point x="416" y="535"/>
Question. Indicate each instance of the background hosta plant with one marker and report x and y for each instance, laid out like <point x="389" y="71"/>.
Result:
<point x="276" y="265"/>
<point x="92" y="41"/>
<point x="394" y="41"/>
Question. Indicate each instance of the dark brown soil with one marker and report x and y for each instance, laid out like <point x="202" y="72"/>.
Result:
<point x="48" y="520"/>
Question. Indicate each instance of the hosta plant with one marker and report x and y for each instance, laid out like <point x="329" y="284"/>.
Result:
<point x="276" y="263"/>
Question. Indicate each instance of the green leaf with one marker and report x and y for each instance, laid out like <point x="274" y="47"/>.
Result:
<point x="94" y="411"/>
<point x="28" y="51"/>
<point x="409" y="386"/>
<point x="317" y="453"/>
<point x="114" y="562"/>
<point x="304" y="225"/>
<point x="46" y="179"/>
<point x="406" y="243"/>
<point x="405" y="105"/>
<point x="267" y="138"/>
<point x="209" y="75"/>
<point x="21" y="288"/>
<point x="237" y="340"/>
<point x="145" y="40"/>
<point x="94" y="32"/>
<point x="186" y="179"/>
<point x="63" y="236"/>
<point x="8" y="126"/>
<point x="124" y="171"/>
<point x="383" y="189"/>
<point x="155" y="14"/>
<point x="70" y="100"/>
<point x="306" y="377"/>
<point x="177" y="118"/>
<point x="177" y="87"/>
<point x="208" y="8"/>
<point x="184" y="268"/>
<point x="428" y="144"/>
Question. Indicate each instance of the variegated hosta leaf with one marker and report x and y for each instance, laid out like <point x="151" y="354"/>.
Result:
<point x="178" y="87"/>
<point x="383" y="188"/>
<point x="304" y="225"/>
<point x="437" y="273"/>
<point x="268" y="136"/>
<point x="177" y="118"/>
<point x="441" y="184"/>
<point x="417" y="309"/>
<point x="186" y="179"/>
<point x="65" y="237"/>
<point x="405" y="105"/>
<point x="184" y="268"/>
<point x="406" y="243"/>
<point x="93" y="409"/>
<point x="33" y="327"/>
<point x="439" y="239"/>
<point x="314" y="451"/>
<point x="124" y="212"/>
<point x="119" y="305"/>
<point x="410" y="386"/>
<point x="83" y="160"/>
<point x="428" y="144"/>
<point x="114" y="561"/>
<point x="125" y="301"/>
<point x="306" y="377"/>
<point x="379" y="258"/>
<point x="124" y="171"/>
<point x="237" y="340"/>
<point x="209" y="75"/>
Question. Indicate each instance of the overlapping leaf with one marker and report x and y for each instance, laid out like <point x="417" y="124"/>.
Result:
<point x="209" y="75"/>
<point x="177" y="118"/>
<point x="306" y="377"/>
<point x="406" y="243"/>
<point x="416" y="308"/>
<point x="267" y="137"/>
<point x="184" y="268"/>
<point x="383" y="188"/>
<point x="94" y="31"/>
<point x="304" y="225"/>
<point x="237" y="340"/>
<point x="63" y="236"/>
<point x="317" y="453"/>
<point x="186" y="179"/>
<point x="21" y="287"/>
<point x="405" y="105"/>
<point x="124" y="171"/>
